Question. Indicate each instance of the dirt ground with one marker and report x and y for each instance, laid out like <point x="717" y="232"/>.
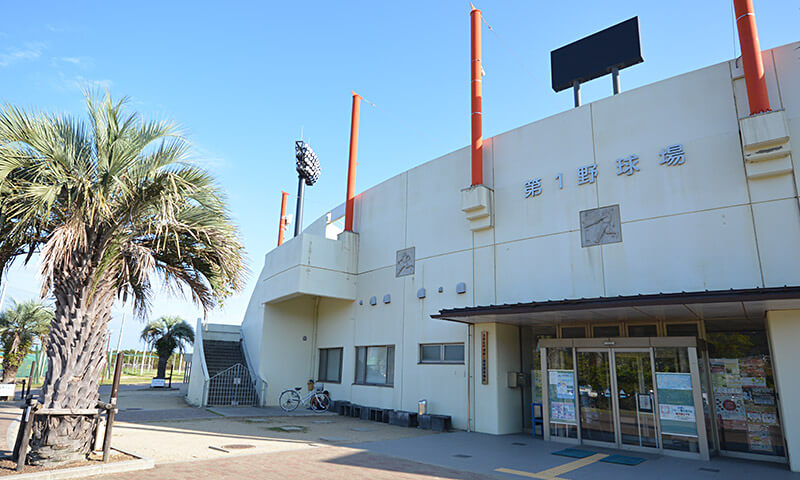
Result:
<point x="9" y="467"/>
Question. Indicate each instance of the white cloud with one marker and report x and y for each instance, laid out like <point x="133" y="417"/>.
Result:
<point x="31" y="51"/>
<point x="57" y="28"/>
<point x="85" y="83"/>
<point x="82" y="62"/>
<point x="207" y="159"/>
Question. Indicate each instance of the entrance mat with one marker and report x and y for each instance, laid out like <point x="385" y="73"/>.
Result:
<point x="623" y="460"/>
<point x="574" y="453"/>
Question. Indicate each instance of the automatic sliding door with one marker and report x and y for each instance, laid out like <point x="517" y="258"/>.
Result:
<point x="637" y="423"/>
<point x="595" y="397"/>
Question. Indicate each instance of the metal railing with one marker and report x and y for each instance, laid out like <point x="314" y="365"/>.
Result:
<point x="232" y="386"/>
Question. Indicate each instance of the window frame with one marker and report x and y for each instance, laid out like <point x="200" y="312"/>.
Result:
<point x="586" y="332"/>
<point x="319" y="364"/>
<point x="619" y="326"/>
<point x="696" y="323"/>
<point x="389" y="366"/>
<point x="642" y="324"/>
<point x="441" y="360"/>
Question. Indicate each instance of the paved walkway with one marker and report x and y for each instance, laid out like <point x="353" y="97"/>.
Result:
<point x="457" y="456"/>
<point x="137" y="415"/>
<point x="324" y="463"/>
<point x="344" y="448"/>
<point x="494" y="454"/>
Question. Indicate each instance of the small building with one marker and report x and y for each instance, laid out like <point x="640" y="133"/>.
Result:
<point x="629" y="277"/>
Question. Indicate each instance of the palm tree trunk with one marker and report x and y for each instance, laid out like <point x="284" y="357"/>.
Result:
<point x="10" y="373"/>
<point x="9" y="370"/>
<point x="162" y="367"/>
<point x="76" y="358"/>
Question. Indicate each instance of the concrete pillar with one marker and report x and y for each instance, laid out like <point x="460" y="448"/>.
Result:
<point x="498" y="408"/>
<point x="783" y="328"/>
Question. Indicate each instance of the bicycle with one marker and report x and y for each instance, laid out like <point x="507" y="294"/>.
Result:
<point x="318" y="400"/>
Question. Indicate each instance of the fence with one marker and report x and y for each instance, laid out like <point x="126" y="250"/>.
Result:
<point x="232" y="386"/>
<point x="137" y="363"/>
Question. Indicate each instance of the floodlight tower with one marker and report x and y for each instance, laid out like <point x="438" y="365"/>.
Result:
<point x="307" y="174"/>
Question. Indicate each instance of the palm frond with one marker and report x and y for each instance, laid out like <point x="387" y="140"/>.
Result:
<point x="119" y="193"/>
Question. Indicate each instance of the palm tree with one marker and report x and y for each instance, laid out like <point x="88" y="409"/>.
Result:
<point x="112" y="202"/>
<point x="167" y="334"/>
<point x="12" y="243"/>
<point x="20" y="325"/>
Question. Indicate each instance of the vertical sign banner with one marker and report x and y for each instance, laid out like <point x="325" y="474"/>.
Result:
<point x="485" y="357"/>
<point x="676" y="404"/>
<point x="561" y="393"/>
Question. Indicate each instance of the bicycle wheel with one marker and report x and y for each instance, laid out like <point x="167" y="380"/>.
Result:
<point x="289" y="400"/>
<point x="321" y="403"/>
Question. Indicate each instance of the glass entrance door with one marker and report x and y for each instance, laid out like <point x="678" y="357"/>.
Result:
<point x="639" y="396"/>
<point x="616" y="397"/>
<point x="636" y="398"/>
<point x="595" y="396"/>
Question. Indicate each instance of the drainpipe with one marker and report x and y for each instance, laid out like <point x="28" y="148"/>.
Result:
<point x="282" y="224"/>
<point x="476" y="71"/>
<point x="351" y="166"/>
<point x="751" y="57"/>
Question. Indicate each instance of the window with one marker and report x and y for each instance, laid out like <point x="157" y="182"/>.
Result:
<point x="573" y="332"/>
<point x="330" y="365"/>
<point x="743" y="356"/>
<point x="605" y="331"/>
<point x="441" y="353"/>
<point x="375" y="365"/>
<point x="642" y="330"/>
<point x="682" y="330"/>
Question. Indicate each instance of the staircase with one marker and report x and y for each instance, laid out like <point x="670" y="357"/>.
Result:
<point x="229" y="379"/>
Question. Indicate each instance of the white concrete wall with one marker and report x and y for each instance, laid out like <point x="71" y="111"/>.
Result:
<point x="286" y="357"/>
<point x="783" y="328"/>
<point x="198" y="374"/>
<point x="697" y="226"/>
<point x="498" y="407"/>
<point x="222" y="332"/>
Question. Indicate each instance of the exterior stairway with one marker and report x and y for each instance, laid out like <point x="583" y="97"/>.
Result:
<point x="229" y="378"/>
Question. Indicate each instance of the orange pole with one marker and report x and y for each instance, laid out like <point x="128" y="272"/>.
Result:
<point x="351" y="167"/>
<point x="282" y="224"/>
<point x="477" y="98"/>
<point x="757" y="95"/>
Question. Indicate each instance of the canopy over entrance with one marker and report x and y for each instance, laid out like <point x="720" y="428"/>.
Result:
<point x="751" y="303"/>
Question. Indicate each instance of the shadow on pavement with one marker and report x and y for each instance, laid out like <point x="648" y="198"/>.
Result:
<point x="374" y="461"/>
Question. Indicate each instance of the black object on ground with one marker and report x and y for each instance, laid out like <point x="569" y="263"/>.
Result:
<point x="403" y="419"/>
<point x="387" y="415"/>
<point x="365" y="413"/>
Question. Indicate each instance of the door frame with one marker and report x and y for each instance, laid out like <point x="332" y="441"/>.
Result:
<point x="612" y="390"/>
<point x="657" y="424"/>
<point x="622" y="344"/>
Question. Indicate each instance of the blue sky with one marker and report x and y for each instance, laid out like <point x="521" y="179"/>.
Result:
<point x="243" y="79"/>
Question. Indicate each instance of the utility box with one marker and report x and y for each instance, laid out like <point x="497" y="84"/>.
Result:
<point x="516" y="379"/>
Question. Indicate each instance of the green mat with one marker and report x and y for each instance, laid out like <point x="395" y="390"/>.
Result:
<point x="623" y="460"/>
<point x="574" y="453"/>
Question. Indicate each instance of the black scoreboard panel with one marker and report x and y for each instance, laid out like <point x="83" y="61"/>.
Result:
<point x="596" y="55"/>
